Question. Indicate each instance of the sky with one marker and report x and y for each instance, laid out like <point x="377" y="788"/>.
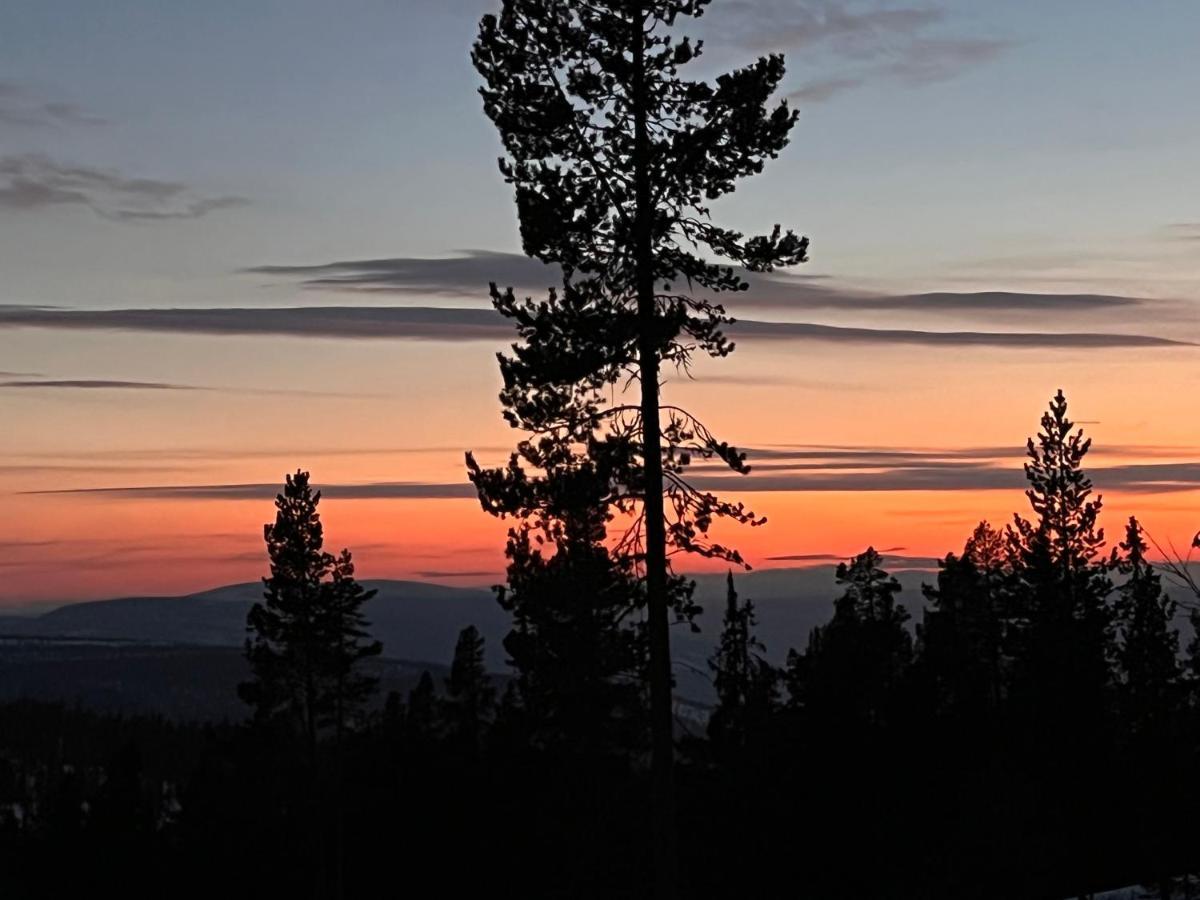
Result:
<point x="237" y="239"/>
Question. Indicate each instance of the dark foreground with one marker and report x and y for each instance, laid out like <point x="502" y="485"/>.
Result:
<point x="150" y="808"/>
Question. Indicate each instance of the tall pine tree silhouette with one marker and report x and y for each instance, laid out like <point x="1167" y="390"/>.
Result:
<point x="1148" y="648"/>
<point x="746" y="685"/>
<point x="614" y="159"/>
<point x="308" y="635"/>
<point x="470" y="696"/>
<point x="1063" y="623"/>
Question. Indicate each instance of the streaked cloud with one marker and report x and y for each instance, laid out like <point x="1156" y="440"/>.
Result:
<point x="384" y="490"/>
<point x="861" y="43"/>
<point x="468" y="273"/>
<point x="824" y="89"/>
<point x="890" y="560"/>
<point x="96" y="384"/>
<point x="450" y="324"/>
<point x="22" y="106"/>
<point x="35" y="181"/>
<point x="1142" y="478"/>
<point x="37" y="383"/>
<point x="1183" y="231"/>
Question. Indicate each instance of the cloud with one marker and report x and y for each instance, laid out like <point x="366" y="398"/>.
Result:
<point x="877" y="42"/>
<point x="934" y="60"/>
<point x="388" y="490"/>
<point x="890" y="560"/>
<point x="824" y="89"/>
<point x="468" y="274"/>
<point x="1183" y="231"/>
<point x="1013" y="340"/>
<point x="1142" y="478"/>
<point x="931" y="475"/>
<point x="104" y="384"/>
<point x="21" y="107"/>
<point x="97" y="384"/>
<point x="34" y="181"/>
<point x="845" y="27"/>
<point x="450" y="324"/>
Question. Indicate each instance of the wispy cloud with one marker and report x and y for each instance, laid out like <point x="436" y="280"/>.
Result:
<point x="824" y="89"/>
<point x="35" y="181"/>
<point x="450" y="324"/>
<point x="389" y="490"/>
<point x="864" y="42"/>
<point x="939" y="59"/>
<point x="1183" y="231"/>
<point x="890" y="559"/>
<point x="468" y="273"/>
<point x="1143" y="478"/>
<point x="96" y="384"/>
<point x="21" y="106"/>
<point x="107" y="384"/>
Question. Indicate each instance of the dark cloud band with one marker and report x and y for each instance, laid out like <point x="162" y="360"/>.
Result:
<point x="1142" y="478"/>
<point x="435" y="323"/>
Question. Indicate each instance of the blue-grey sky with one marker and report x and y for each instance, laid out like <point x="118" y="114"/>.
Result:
<point x="954" y="143"/>
<point x="1002" y="200"/>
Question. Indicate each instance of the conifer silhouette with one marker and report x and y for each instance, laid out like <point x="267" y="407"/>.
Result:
<point x="1063" y="622"/>
<point x="1148" y="646"/>
<point x="579" y="640"/>
<point x="746" y="685"/>
<point x="614" y="159"/>
<point x="962" y="639"/>
<point x="851" y="672"/>
<point x="470" y="696"/>
<point x="309" y="635"/>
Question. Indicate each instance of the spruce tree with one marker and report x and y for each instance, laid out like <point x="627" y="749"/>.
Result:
<point x="962" y="638"/>
<point x="1148" y="648"/>
<point x="851" y="673"/>
<point x="470" y="696"/>
<point x="747" y="686"/>
<point x="309" y="635"/>
<point x="1063" y="623"/>
<point x="614" y="159"/>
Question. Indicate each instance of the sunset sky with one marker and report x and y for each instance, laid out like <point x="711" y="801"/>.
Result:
<point x="241" y="238"/>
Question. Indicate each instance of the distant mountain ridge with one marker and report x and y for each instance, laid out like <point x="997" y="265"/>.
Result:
<point x="420" y="621"/>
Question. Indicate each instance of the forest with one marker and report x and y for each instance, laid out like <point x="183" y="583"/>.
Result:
<point x="1030" y="727"/>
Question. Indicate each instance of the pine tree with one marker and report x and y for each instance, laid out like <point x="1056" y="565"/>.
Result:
<point x="470" y="696"/>
<point x="308" y="636"/>
<point x="851" y="673"/>
<point x="747" y="687"/>
<point x="1063" y="624"/>
<point x="1148" y="648"/>
<point x="962" y="638"/>
<point x="578" y="641"/>
<point x="614" y="158"/>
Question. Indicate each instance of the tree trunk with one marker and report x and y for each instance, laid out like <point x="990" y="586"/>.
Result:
<point x="661" y="715"/>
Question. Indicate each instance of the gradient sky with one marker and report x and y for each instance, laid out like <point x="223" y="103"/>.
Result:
<point x="177" y="178"/>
